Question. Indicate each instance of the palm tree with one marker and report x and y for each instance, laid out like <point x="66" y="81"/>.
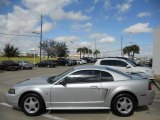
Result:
<point x="96" y="52"/>
<point x="89" y="52"/>
<point x="131" y="50"/>
<point x="127" y="50"/>
<point x="84" y="51"/>
<point x="10" y="51"/>
<point x="79" y="50"/>
<point x="135" y="49"/>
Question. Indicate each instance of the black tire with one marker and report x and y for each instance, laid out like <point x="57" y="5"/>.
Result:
<point x="39" y="103"/>
<point x="6" y="69"/>
<point x="122" y="102"/>
<point x="66" y="64"/>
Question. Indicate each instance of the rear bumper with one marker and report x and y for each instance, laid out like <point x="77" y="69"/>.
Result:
<point x="147" y="98"/>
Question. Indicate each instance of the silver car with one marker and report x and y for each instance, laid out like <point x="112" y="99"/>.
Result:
<point x="82" y="87"/>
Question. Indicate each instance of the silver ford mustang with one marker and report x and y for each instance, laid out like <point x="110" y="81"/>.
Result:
<point x="82" y="87"/>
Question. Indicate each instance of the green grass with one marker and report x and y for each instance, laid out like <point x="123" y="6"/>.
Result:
<point x="26" y="58"/>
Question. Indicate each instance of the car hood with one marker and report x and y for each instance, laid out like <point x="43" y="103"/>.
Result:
<point x="34" y="81"/>
<point x="141" y="69"/>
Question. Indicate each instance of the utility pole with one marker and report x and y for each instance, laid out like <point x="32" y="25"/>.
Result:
<point x="41" y="36"/>
<point x="121" y="47"/>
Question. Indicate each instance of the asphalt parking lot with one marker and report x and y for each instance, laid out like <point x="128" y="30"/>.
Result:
<point x="9" y="78"/>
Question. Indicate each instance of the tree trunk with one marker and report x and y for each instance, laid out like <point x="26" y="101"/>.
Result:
<point x="80" y="54"/>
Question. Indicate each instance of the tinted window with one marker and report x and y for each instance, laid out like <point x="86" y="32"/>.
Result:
<point x="108" y="62"/>
<point x="105" y="77"/>
<point x="84" y="76"/>
<point x="121" y="63"/>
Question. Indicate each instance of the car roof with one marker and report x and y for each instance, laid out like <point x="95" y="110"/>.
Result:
<point x="112" y="59"/>
<point x="99" y="67"/>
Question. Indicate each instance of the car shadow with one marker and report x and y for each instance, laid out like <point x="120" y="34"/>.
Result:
<point x="142" y="108"/>
<point x="79" y="112"/>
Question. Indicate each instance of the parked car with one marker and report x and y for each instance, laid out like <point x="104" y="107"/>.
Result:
<point x="65" y="61"/>
<point x="46" y="63"/>
<point x="89" y="59"/>
<point x="82" y="87"/>
<point x="9" y="65"/>
<point x="136" y="62"/>
<point x="25" y="64"/>
<point x="81" y="61"/>
<point x="74" y="62"/>
<point x="149" y="63"/>
<point x="125" y="66"/>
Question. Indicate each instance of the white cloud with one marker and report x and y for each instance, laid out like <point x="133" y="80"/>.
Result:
<point x="96" y="1"/>
<point x="107" y="39"/>
<point x="107" y="4"/>
<point x="54" y="8"/>
<point x="66" y="39"/>
<point x="45" y="27"/>
<point x="102" y="38"/>
<point x="97" y="35"/>
<point x="85" y="44"/>
<point x="138" y="28"/>
<point x="86" y="27"/>
<point x="143" y="14"/>
<point x="124" y="6"/>
<point x="24" y="20"/>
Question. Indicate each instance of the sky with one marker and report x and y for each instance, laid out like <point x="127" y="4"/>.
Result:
<point x="96" y="24"/>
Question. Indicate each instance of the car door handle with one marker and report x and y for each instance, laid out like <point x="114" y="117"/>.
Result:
<point x="94" y="87"/>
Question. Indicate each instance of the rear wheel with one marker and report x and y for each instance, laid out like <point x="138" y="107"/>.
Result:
<point x="123" y="105"/>
<point x="32" y="104"/>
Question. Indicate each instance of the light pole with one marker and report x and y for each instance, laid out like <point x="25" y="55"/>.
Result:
<point x="40" y="43"/>
<point x="121" y="47"/>
<point x="34" y="50"/>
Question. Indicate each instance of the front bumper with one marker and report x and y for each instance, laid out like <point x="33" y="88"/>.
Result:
<point x="12" y="99"/>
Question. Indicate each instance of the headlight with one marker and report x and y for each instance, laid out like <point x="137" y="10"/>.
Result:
<point x="11" y="91"/>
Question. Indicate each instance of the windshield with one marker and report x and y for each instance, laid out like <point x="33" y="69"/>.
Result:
<point x="132" y="63"/>
<point x="55" y="78"/>
<point x="26" y="62"/>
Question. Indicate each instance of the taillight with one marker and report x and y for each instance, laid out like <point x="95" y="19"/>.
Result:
<point x="149" y="86"/>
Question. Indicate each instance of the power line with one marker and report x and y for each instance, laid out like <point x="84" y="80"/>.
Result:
<point x="11" y="34"/>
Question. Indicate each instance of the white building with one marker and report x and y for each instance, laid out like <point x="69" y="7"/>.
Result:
<point x="156" y="52"/>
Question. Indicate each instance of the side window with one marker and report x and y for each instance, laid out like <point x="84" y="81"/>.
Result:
<point x="106" y="77"/>
<point x="108" y="62"/>
<point x="84" y="76"/>
<point x="121" y="63"/>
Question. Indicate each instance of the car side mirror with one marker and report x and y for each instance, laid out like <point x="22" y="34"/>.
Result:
<point x="128" y="66"/>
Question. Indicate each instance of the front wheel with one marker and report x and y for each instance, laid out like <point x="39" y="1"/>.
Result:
<point x="32" y="104"/>
<point x="123" y="105"/>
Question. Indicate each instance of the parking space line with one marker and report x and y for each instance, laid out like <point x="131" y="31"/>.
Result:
<point x="5" y="104"/>
<point x="44" y="115"/>
<point x="156" y="100"/>
<point x="53" y="117"/>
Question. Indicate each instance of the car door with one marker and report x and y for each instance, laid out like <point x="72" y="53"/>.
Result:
<point x="107" y="84"/>
<point x="82" y="89"/>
